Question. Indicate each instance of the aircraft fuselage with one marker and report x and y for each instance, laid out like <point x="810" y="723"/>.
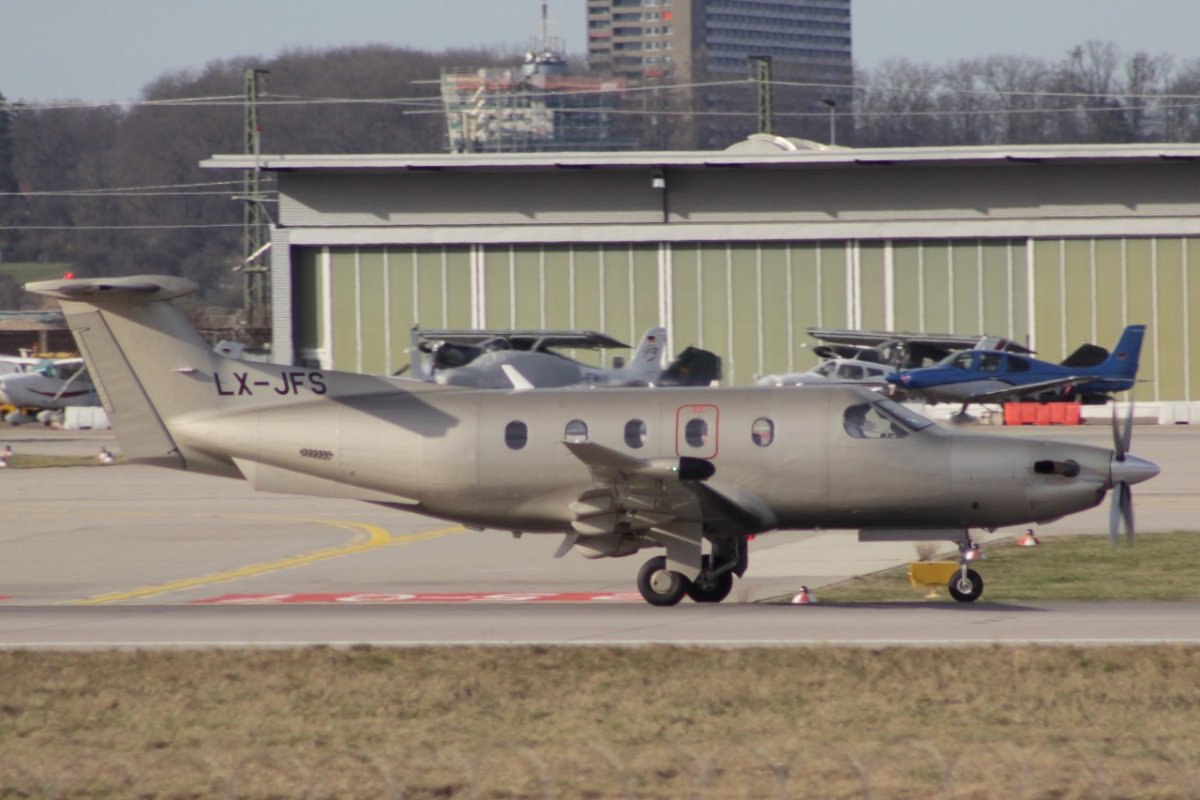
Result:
<point x="498" y="459"/>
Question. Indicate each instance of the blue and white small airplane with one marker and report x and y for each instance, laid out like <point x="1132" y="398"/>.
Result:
<point x="1091" y="374"/>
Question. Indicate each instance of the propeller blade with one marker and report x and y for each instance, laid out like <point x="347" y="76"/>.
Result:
<point x="1127" y="511"/>
<point x="1127" y="433"/>
<point x="1114" y="515"/>
<point x="1118" y="442"/>
<point x="1120" y="514"/>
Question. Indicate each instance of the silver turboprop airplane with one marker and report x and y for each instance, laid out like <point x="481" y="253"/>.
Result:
<point x="692" y="470"/>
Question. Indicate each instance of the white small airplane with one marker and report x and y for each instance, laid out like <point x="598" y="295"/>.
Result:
<point x="833" y="370"/>
<point x="525" y="359"/>
<point x="49" y="384"/>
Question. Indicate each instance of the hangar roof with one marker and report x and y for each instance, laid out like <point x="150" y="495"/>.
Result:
<point x="834" y="157"/>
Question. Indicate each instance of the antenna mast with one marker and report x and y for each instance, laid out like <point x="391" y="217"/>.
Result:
<point x="256" y="230"/>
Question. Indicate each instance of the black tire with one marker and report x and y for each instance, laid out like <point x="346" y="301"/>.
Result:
<point x="968" y="589"/>
<point x="710" y="590"/>
<point x="655" y="571"/>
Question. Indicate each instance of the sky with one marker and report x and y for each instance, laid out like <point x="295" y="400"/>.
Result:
<point x="108" y="50"/>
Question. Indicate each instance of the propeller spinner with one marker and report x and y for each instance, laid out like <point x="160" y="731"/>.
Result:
<point x="1124" y="471"/>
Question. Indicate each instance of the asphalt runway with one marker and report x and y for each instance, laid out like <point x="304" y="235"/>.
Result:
<point x="122" y="555"/>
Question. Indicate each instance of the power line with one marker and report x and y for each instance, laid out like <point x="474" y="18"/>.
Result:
<point x="179" y="227"/>
<point x="119" y="189"/>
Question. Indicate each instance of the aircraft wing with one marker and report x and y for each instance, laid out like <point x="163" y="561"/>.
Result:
<point x="920" y="346"/>
<point x="656" y="494"/>
<point x="1030" y="388"/>
<point x="524" y="338"/>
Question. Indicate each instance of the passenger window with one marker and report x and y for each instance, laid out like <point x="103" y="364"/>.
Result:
<point x="516" y="435"/>
<point x="865" y="421"/>
<point x="762" y="432"/>
<point x="695" y="433"/>
<point x="576" y="431"/>
<point x="1017" y="364"/>
<point x="990" y="362"/>
<point x="851" y="372"/>
<point x="635" y="433"/>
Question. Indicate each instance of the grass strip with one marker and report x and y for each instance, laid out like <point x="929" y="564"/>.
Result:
<point x="33" y="461"/>
<point x="1159" y="566"/>
<point x="664" y="722"/>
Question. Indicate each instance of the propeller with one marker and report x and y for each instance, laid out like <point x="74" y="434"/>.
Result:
<point x="1124" y="471"/>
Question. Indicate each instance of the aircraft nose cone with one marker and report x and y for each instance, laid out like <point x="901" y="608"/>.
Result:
<point x="1132" y="470"/>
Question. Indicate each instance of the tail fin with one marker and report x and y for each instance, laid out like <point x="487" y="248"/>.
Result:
<point x="138" y="348"/>
<point x="647" y="361"/>
<point x="1123" y="361"/>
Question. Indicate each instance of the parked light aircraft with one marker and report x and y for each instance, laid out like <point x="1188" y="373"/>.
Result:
<point x="833" y="370"/>
<point x="868" y="357"/>
<point x="691" y="470"/>
<point x="902" y="349"/>
<point x="1091" y="373"/>
<point x="507" y="359"/>
<point x="51" y="383"/>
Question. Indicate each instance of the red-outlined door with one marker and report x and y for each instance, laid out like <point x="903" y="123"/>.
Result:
<point x="696" y="430"/>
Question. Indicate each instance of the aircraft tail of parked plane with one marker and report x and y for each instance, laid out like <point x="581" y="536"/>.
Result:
<point x="1122" y="362"/>
<point x="646" y="364"/>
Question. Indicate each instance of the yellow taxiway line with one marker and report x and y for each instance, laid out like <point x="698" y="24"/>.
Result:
<point x="367" y="537"/>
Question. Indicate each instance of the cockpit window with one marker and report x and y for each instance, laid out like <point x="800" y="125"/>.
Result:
<point x="882" y="419"/>
<point x="960" y="360"/>
<point x="914" y="421"/>
<point x="851" y="372"/>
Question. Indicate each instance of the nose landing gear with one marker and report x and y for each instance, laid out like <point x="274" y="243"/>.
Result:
<point x="966" y="585"/>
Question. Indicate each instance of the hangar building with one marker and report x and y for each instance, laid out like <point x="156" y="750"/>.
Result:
<point x="740" y="252"/>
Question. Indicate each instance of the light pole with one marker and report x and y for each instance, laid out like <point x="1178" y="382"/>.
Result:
<point x="829" y="101"/>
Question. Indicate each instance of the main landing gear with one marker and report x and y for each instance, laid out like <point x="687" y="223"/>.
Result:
<point x="664" y="587"/>
<point x="965" y="585"/>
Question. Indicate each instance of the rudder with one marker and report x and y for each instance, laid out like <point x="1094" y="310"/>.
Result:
<point x="134" y="342"/>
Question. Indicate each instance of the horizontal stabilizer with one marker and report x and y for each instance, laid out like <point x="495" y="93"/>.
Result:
<point x="135" y="289"/>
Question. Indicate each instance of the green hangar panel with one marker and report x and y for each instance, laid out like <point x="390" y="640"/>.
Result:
<point x="741" y="253"/>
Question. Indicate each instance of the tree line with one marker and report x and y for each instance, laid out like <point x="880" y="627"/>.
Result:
<point x="108" y="154"/>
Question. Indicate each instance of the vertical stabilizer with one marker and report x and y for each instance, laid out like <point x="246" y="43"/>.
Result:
<point x="647" y="361"/>
<point x="136" y="346"/>
<point x="1122" y="362"/>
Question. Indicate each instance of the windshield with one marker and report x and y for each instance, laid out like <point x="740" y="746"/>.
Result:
<point x="960" y="360"/>
<point x="882" y="419"/>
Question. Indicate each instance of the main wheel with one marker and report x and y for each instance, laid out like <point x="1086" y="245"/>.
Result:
<point x="659" y="585"/>
<point x="966" y="589"/>
<point x="710" y="589"/>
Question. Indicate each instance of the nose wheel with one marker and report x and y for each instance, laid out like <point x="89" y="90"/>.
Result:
<point x="966" y="585"/>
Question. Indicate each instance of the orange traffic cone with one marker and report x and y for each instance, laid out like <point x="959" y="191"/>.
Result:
<point x="1028" y="540"/>
<point x="803" y="597"/>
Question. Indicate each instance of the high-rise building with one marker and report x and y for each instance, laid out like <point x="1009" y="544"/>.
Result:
<point x="686" y="40"/>
<point x="537" y="107"/>
<point x="686" y="43"/>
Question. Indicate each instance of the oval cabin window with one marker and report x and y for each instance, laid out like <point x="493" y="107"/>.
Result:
<point x="635" y="433"/>
<point x="762" y="432"/>
<point x="516" y="435"/>
<point x="696" y="432"/>
<point x="576" y="431"/>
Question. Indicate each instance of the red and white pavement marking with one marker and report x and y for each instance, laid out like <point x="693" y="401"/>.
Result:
<point x="424" y="597"/>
